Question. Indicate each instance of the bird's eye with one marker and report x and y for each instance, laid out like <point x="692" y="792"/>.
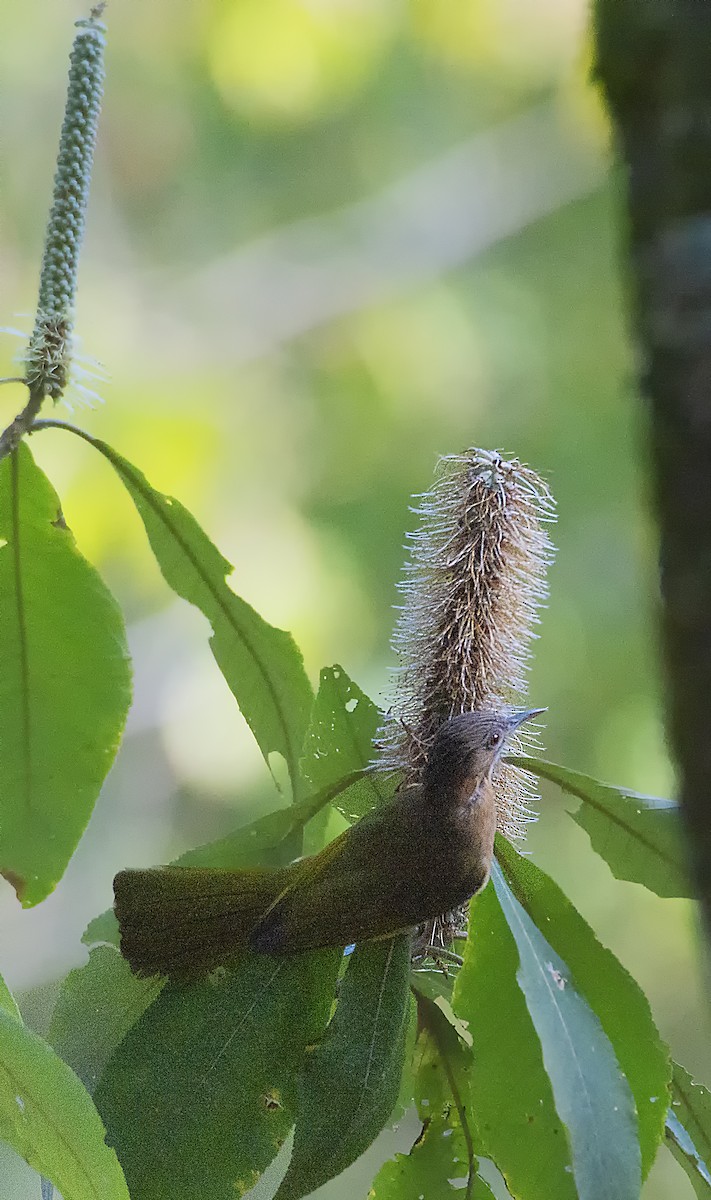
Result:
<point x="493" y="740"/>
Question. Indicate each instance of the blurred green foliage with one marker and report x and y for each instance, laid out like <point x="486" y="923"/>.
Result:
<point x="294" y="397"/>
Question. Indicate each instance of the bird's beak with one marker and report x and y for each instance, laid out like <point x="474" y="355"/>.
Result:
<point x="526" y="714"/>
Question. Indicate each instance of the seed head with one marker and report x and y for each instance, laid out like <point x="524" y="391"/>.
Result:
<point x="472" y="589"/>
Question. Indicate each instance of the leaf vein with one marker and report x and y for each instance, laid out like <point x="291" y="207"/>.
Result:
<point x="25" y="708"/>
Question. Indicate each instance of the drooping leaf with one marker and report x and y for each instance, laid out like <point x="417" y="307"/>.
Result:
<point x="351" y="1080"/>
<point x="65" y="682"/>
<point x="442" y="1161"/>
<point x="201" y="1092"/>
<point x="509" y="1094"/>
<point x="48" y="1118"/>
<point x="617" y="1001"/>
<point x="591" y="1095"/>
<point x="688" y="1129"/>
<point x="97" y="1005"/>
<point x="640" y="837"/>
<point x="262" y="665"/>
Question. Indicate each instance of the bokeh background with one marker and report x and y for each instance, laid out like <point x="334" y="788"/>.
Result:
<point x="330" y="240"/>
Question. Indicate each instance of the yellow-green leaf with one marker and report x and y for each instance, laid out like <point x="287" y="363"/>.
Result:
<point x="65" y="683"/>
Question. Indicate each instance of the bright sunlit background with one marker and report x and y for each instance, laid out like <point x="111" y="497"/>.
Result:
<point x="330" y="240"/>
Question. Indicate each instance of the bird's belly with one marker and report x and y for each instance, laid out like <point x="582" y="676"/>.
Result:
<point x="452" y="865"/>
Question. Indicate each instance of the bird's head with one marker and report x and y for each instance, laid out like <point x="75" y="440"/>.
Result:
<point x="467" y="748"/>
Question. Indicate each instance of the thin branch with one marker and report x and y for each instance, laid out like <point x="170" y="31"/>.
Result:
<point x="11" y="436"/>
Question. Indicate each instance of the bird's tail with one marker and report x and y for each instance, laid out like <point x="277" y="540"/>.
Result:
<point x="185" y="921"/>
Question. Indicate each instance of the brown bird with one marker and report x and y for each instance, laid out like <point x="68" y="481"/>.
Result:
<point x="425" y="852"/>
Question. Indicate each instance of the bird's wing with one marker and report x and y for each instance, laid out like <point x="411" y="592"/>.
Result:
<point x="357" y="842"/>
<point x="354" y="889"/>
<point x="308" y="870"/>
<point x="354" y="905"/>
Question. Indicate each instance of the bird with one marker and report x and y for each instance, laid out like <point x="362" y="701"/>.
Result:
<point x="426" y="851"/>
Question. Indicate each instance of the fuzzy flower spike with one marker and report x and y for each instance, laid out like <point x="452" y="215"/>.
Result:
<point x="48" y="357"/>
<point x="472" y="591"/>
<point x="49" y="352"/>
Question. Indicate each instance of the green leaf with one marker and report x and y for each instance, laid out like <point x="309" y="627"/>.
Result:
<point x="65" y="684"/>
<point x="339" y="739"/>
<point x="441" y="1162"/>
<point x="262" y="665"/>
<point x="591" y="1095"/>
<point x="431" y="983"/>
<point x="686" y="1154"/>
<point x="263" y="842"/>
<point x="340" y="735"/>
<point x="8" y="1003"/>
<point x="618" y="1002"/>
<point x="201" y="1092"/>
<point x="47" y="1116"/>
<point x="509" y="1094"/>
<point x="351" y="1081"/>
<point x="97" y="1005"/>
<point x="640" y="837"/>
<point x="689" y="1129"/>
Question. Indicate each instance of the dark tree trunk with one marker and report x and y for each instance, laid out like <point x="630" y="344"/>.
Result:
<point x="654" y="61"/>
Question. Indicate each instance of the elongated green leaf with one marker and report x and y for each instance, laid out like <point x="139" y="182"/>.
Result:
<point x="618" y="1002"/>
<point x="351" y="1081"/>
<point x="509" y="1094"/>
<point x="96" y="1007"/>
<point x="47" y="1116"/>
<point x="65" y="682"/>
<point x="441" y="1162"/>
<point x="689" y="1129"/>
<point x="688" y="1157"/>
<point x="640" y="837"/>
<point x="591" y="1095"/>
<point x="201" y="1092"/>
<point x="262" y="665"/>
